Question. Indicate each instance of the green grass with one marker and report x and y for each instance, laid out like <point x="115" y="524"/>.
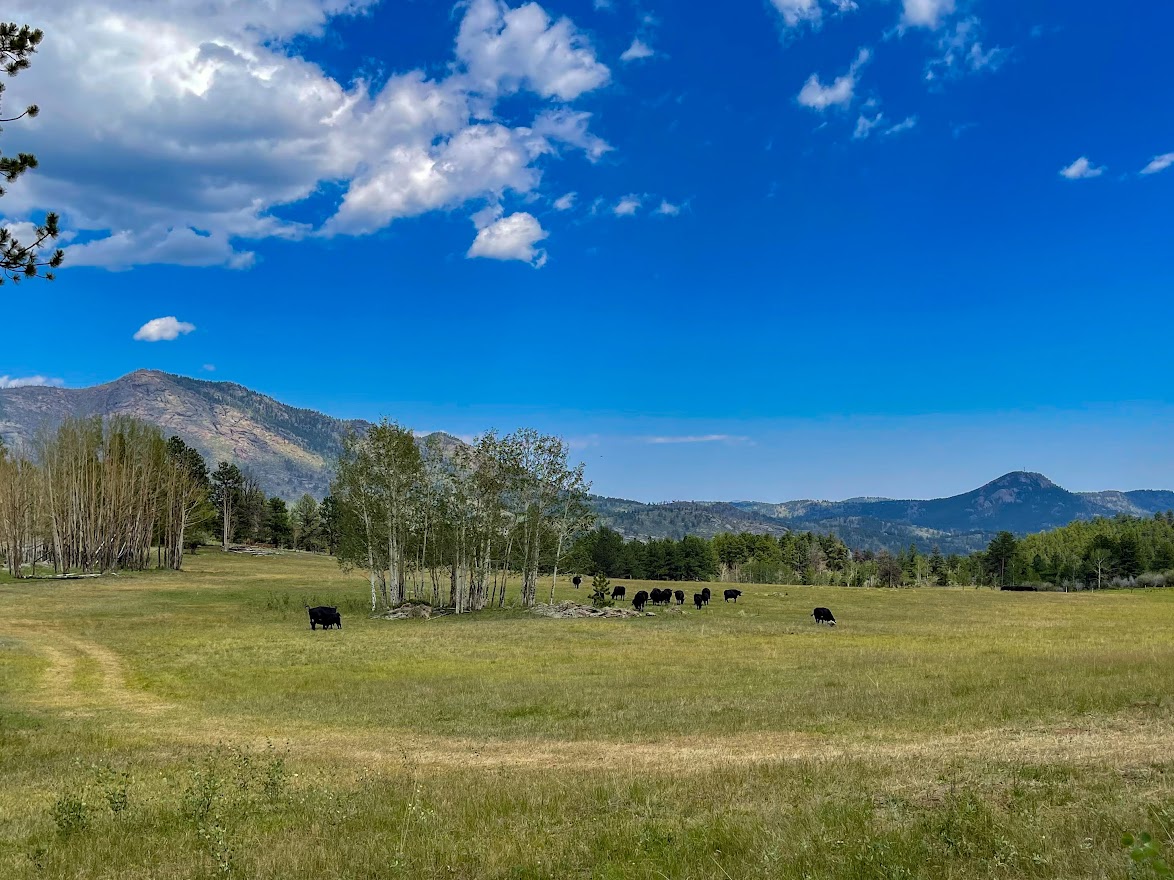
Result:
<point x="933" y="733"/>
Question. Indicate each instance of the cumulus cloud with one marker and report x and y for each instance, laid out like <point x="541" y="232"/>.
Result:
<point x="511" y="238"/>
<point x="1082" y="169"/>
<point x="29" y="382"/>
<point x="637" y="51"/>
<point x="628" y="206"/>
<point x="198" y="120"/>
<point x="840" y="93"/>
<point x="505" y="50"/>
<point x="163" y="329"/>
<point x="926" y="13"/>
<point x="1159" y="163"/>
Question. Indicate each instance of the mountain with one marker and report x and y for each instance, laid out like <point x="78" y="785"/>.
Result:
<point x="1017" y="502"/>
<point x="288" y="450"/>
<point x="291" y="452"/>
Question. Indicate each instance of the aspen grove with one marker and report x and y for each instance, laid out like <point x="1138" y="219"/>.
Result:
<point x="447" y="525"/>
<point x="99" y="496"/>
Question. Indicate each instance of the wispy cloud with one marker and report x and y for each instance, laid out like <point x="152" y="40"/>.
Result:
<point x="840" y="93"/>
<point x="637" y="51"/>
<point x="698" y="438"/>
<point x="1159" y="163"/>
<point x="29" y="382"/>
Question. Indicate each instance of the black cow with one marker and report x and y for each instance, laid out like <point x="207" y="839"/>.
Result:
<point x="577" y="581"/>
<point x="661" y="597"/>
<point x="705" y="596"/>
<point x="639" y="599"/>
<point x="680" y="594"/>
<point x="823" y="615"/>
<point x="324" y="616"/>
<point x="698" y="600"/>
<point x="733" y="594"/>
<point x="618" y="592"/>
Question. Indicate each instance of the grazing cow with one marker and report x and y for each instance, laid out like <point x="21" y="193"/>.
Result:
<point x="577" y="581"/>
<point x="619" y="592"/>
<point x="324" y="616"/>
<point x="639" y="599"/>
<point x="823" y="615"/>
<point x="661" y="597"/>
<point x="698" y="600"/>
<point x="705" y="596"/>
<point x="680" y="594"/>
<point x="733" y="594"/>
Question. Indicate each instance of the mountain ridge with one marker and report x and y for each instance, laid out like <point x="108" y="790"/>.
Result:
<point x="291" y="451"/>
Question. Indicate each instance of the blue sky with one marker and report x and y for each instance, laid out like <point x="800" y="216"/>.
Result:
<point x="784" y="248"/>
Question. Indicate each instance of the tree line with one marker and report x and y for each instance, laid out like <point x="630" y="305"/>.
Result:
<point x="99" y="496"/>
<point x="106" y="495"/>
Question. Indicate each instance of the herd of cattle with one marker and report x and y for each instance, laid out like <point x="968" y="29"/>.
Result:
<point x="327" y="616"/>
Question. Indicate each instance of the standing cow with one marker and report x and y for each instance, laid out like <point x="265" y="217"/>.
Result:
<point x="823" y="615"/>
<point x="577" y="581"/>
<point x="639" y="600"/>
<point x="680" y="594"/>
<point x="618" y="592"/>
<point x="733" y="594"/>
<point x="705" y="596"/>
<point x="324" y="616"/>
<point x="698" y="600"/>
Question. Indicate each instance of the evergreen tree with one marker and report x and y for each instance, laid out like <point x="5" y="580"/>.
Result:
<point x="1000" y="557"/>
<point x="23" y="259"/>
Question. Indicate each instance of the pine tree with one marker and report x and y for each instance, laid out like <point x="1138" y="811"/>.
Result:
<point x="23" y="259"/>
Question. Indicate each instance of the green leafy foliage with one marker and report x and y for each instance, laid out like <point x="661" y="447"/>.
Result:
<point x="1147" y="855"/>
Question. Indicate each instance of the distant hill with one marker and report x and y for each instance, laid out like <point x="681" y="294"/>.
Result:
<point x="1017" y="502"/>
<point x="291" y="451"/>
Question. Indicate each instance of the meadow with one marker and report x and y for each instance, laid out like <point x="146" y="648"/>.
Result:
<point x="181" y="725"/>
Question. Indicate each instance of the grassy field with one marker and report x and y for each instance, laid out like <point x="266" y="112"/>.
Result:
<point x="191" y="725"/>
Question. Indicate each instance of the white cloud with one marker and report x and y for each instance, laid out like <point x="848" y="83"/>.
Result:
<point x="565" y="203"/>
<point x="177" y="247"/>
<point x="864" y="125"/>
<point x="926" y="13"/>
<point x="1159" y="163"/>
<point x="797" y="12"/>
<point x="209" y="368"/>
<point x="197" y="120"/>
<point x="637" y="51"/>
<point x="511" y="238"/>
<point x="29" y="382"/>
<point x="668" y="209"/>
<point x="702" y="438"/>
<point x="505" y="50"/>
<point x="1081" y="169"/>
<point x="840" y="93"/>
<point x="961" y="51"/>
<point x="163" y="330"/>
<point x="906" y="124"/>
<point x="628" y="206"/>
